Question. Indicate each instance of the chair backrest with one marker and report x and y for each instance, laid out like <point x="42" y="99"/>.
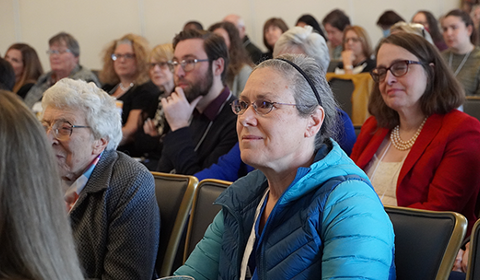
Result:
<point x="426" y="242"/>
<point x="174" y="197"/>
<point x="203" y="211"/>
<point x="342" y="91"/>
<point x="473" y="269"/>
<point x="472" y="106"/>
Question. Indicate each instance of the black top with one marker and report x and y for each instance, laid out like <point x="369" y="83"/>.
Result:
<point x="22" y="92"/>
<point x="217" y="136"/>
<point x="143" y="97"/>
<point x="253" y="51"/>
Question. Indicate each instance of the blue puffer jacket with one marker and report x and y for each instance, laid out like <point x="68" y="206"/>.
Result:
<point x="328" y="224"/>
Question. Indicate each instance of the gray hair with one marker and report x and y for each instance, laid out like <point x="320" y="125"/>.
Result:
<point x="70" y="41"/>
<point x="414" y="28"/>
<point x="101" y="112"/>
<point x="312" y="44"/>
<point x="303" y="93"/>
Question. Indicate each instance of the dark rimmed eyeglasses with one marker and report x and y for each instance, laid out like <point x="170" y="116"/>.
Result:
<point x="61" y="130"/>
<point x="119" y="56"/>
<point x="187" y="64"/>
<point x="162" y="65"/>
<point x="262" y="107"/>
<point x="398" y="69"/>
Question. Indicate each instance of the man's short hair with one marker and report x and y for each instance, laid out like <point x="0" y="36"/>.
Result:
<point x="213" y="44"/>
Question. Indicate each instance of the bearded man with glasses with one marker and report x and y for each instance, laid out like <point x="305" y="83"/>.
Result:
<point x="198" y="112"/>
<point x="110" y="197"/>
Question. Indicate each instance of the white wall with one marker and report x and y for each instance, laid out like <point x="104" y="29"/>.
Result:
<point x="94" y="23"/>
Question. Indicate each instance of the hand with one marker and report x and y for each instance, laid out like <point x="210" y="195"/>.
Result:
<point x="149" y="128"/>
<point x="461" y="260"/>
<point x="348" y="57"/>
<point x="457" y="265"/>
<point x="177" y="109"/>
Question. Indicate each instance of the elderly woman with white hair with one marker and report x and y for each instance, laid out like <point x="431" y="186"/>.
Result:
<point x="296" y="40"/>
<point x="109" y="196"/>
<point x="303" y="40"/>
<point x="307" y="212"/>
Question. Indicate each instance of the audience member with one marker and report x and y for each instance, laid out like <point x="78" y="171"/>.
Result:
<point x="64" y="54"/>
<point x="430" y="23"/>
<point x="7" y="75"/>
<point x="334" y="23"/>
<point x="272" y="30"/>
<point x="26" y="65"/>
<point x="111" y="198"/>
<point x="240" y="65"/>
<point x="296" y="40"/>
<point x="125" y="77"/>
<point x="414" y="28"/>
<point x="253" y="51"/>
<point x="304" y="211"/>
<point x="35" y="235"/>
<point x="415" y="97"/>
<point x="193" y="25"/>
<point x="202" y="126"/>
<point x="462" y="56"/>
<point x="386" y="20"/>
<point x="356" y="53"/>
<point x="154" y="128"/>
<point x="307" y="19"/>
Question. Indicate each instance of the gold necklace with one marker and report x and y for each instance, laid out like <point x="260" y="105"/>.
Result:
<point x="401" y="145"/>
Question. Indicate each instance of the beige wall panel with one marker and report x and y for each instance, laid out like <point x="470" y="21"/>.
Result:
<point x="96" y="22"/>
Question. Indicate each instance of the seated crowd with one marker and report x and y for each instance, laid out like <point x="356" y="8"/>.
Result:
<point x="211" y="104"/>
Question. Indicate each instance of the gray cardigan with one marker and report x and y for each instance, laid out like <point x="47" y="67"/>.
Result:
<point x="116" y="220"/>
<point x="35" y="94"/>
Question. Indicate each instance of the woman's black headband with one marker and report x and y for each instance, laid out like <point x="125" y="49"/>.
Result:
<point x="306" y="78"/>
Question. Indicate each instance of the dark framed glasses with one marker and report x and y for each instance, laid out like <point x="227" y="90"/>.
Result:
<point x="398" y="69"/>
<point x="187" y="64"/>
<point x="61" y="130"/>
<point x="262" y="107"/>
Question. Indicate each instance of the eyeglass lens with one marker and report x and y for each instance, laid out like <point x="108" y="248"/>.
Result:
<point x="260" y="106"/>
<point x="60" y="129"/>
<point x="397" y="69"/>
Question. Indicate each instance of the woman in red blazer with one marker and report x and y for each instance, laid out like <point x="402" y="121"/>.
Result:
<point x="417" y="148"/>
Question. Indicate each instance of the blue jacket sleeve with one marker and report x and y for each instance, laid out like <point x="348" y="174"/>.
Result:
<point x="202" y="264"/>
<point x="358" y="235"/>
<point x="229" y="167"/>
<point x="346" y="137"/>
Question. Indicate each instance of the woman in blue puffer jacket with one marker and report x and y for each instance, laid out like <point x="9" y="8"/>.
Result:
<point x="308" y="211"/>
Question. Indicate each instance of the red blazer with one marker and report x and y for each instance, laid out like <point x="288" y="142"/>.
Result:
<point x="442" y="170"/>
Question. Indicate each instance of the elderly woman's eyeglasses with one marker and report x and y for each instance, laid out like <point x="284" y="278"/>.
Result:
<point x="262" y="107"/>
<point x="119" y="56"/>
<point x="162" y="65"/>
<point x="187" y="64"/>
<point x="52" y="52"/>
<point x="61" y="130"/>
<point x="398" y="69"/>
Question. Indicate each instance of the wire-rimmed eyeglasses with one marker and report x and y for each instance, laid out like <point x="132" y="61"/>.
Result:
<point x="162" y="65"/>
<point x="61" y="129"/>
<point x="187" y="64"/>
<point x="262" y="107"/>
<point x="398" y="69"/>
